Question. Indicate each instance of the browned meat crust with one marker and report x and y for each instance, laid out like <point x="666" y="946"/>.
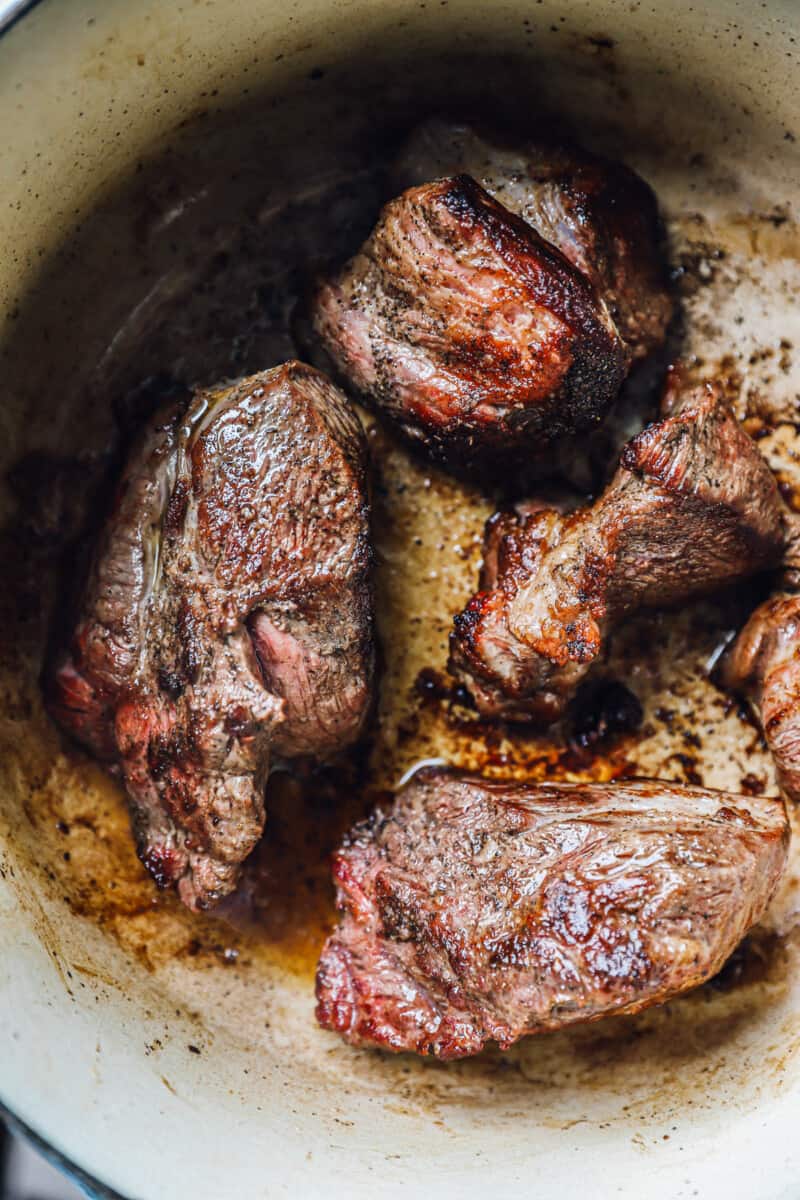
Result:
<point x="227" y="615"/>
<point x="466" y="329"/>
<point x="601" y="215"/>
<point x="478" y="910"/>
<point x="693" y="506"/>
<point x="764" y="665"/>
<point x="789" y="580"/>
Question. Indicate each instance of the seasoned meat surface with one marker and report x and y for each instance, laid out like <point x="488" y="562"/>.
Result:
<point x="467" y="330"/>
<point x="693" y="506"/>
<point x="764" y="665"/>
<point x="601" y="215"/>
<point x="789" y="578"/>
<point x="478" y="910"/>
<point x="227" y="616"/>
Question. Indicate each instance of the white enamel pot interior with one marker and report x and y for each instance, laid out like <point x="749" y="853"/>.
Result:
<point x="167" y="1054"/>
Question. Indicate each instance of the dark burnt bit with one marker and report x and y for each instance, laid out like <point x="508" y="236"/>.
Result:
<point x="465" y="636"/>
<point x="461" y="697"/>
<point x="161" y="752"/>
<point x="434" y="687"/>
<point x="696" y="267"/>
<point x="737" y="816"/>
<point x="601" y="42"/>
<point x="170" y="683"/>
<point x="774" y="722"/>
<point x="173" y="757"/>
<point x="757" y="427"/>
<point x="398" y="921"/>
<point x="237" y="723"/>
<point x="785" y="360"/>
<point x="602" y="711"/>
<point x="407" y="729"/>
<point x="729" y="703"/>
<point x="175" y="513"/>
<point x="777" y="217"/>
<point x="789" y="490"/>
<point x="752" y="785"/>
<point x="688" y="767"/>
<point x="190" y="636"/>
<point x="180" y="800"/>
<point x="431" y="685"/>
<point x="159" y="862"/>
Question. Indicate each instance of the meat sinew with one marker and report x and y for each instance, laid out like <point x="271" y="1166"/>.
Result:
<point x="227" y="616"/>
<point x="478" y="910"/>
<point x="467" y="330"/>
<point x="601" y="215"/>
<point x="764" y="665"/>
<point x="692" y="506"/>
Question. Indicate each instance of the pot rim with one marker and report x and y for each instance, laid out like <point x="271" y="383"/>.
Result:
<point x="12" y="11"/>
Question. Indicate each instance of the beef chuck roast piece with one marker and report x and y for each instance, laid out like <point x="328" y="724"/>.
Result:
<point x="227" y="615"/>
<point x="789" y="578"/>
<point x="693" y="506"/>
<point x="764" y="664"/>
<point x="467" y="330"/>
<point x="479" y="910"/>
<point x="601" y="215"/>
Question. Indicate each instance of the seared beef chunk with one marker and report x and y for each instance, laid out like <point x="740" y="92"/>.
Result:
<point x="478" y="910"/>
<point x="789" y="579"/>
<point x="601" y="215"/>
<point x="764" y="665"/>
<point x="693" y="506"/>
<point x="227" y="615"/>
<point x="469" y="331"/>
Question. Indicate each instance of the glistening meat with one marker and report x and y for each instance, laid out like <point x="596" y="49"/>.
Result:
<point x="479" y="911"/>
<point x="601" y="215"/>
<point x="227" y="617"/>
<point x="693" y="506"/>
<point x="764" y="665"/>
<point x="473" y="335"/>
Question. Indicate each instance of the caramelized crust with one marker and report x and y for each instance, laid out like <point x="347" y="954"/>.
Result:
<point x="227" y="616"/>
<point x="601" y="215"/>
<point x="693" y="506"/>
<point x="764" y="665"/>
<point x="480" y="911"/>
<point x="467" y="330"/>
